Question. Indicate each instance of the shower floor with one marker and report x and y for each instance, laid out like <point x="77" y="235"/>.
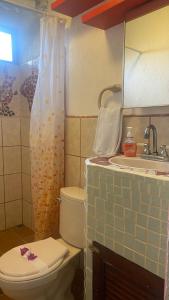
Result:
<point x="11" y="238"/>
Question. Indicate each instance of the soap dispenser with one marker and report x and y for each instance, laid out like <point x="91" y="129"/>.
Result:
<point x="129" y="145"/>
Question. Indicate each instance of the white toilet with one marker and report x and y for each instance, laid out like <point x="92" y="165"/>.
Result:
<point x="50" y="275"/>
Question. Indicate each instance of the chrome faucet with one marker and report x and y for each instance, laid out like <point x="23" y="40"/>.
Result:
<point x="147" y="136"/>
<point x="147" y="154"/>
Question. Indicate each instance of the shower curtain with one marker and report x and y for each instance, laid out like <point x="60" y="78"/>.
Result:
<point x="47" y="129"/>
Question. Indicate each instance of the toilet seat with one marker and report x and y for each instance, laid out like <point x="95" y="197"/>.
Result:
<point x="50" y="255"/>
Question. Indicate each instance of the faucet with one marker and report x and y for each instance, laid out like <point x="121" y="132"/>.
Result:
<point x="147" y="136"/>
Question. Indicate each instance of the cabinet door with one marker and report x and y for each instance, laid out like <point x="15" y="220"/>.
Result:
<point x="116" y="278"/>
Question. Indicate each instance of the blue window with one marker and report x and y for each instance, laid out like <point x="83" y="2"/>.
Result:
<point x="6" y="46"/>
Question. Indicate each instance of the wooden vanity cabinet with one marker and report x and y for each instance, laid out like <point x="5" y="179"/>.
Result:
<point x="116" y="278"/>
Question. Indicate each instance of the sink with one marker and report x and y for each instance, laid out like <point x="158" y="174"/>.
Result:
<point x="140" y="164"/>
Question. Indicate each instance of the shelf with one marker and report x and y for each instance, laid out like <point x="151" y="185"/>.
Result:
<point x="110" y="13"/>
<point x="73" y="8"/>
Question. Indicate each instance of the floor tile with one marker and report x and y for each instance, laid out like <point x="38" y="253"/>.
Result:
<point x="14" y="237"/>
<point x="23" y="231"/>
<point x="9" y="240"/>
<point x="3" y="297"/>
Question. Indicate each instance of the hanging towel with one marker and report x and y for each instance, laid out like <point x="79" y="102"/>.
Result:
<point x="108" y="131"/>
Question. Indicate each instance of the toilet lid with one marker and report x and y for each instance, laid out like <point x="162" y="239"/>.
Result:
<point x="32" y="258"/>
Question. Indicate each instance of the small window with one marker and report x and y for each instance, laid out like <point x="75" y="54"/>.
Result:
<point x="6" y="49"/>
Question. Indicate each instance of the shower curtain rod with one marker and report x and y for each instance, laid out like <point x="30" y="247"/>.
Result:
<point x="38" y="11"/>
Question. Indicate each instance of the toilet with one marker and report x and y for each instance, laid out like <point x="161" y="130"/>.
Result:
<point x="44" y="270"/>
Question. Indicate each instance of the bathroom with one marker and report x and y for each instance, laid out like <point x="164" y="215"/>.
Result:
<point x="93" y="61"/>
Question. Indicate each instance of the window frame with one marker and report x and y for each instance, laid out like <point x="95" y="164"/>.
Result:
<point x="13" y="39"/>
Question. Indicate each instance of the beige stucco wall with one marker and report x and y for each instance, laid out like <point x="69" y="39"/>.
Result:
<point x="94" y="61"/>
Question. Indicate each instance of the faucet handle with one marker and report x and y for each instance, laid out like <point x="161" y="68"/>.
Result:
<point x="163" y="151"/>
<point x="147" y="149"/>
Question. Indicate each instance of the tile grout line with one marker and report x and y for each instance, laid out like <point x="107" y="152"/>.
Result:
<point x="18" y="199"/>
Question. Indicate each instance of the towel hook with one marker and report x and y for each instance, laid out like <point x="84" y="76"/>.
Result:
<point x="116" y="88"/>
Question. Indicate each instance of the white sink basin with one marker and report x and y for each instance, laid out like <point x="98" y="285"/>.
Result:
<point x="140" y="164"/>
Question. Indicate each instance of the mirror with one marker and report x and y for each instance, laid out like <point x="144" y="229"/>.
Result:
<point x="146" y="75"/>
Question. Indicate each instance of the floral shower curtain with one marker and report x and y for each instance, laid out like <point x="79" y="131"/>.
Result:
<point x="47" y="129"/>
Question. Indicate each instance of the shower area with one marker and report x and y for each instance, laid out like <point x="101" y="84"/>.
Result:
<point x="17" y="87"/>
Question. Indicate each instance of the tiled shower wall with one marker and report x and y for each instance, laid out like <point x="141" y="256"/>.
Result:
<point x="80" y="132"/>
<point x="15" y="195"/>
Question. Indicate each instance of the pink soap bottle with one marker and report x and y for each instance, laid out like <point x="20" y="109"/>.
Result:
<point x="129" y="145"/>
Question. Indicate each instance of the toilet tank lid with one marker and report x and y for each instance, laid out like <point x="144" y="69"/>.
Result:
<point x="73" y="193"/>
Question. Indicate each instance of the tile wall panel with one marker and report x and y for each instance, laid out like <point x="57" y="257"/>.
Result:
<point x="72" y="139"/>
<point x="82" y="172"/>
<point x="2" y="189"/>
<point x="13" y="187"/>
<point x="26" y="184"/>
<point x="25" y="131"/>
<point x="2" y="217"/>
<point x="88" y="129"/>
<point x="161" y="124"/>
<point x="27" y="214"/>
<point x="26" y="165"/>
<point x="26" y="169"/>
<point x="138" y="124"/>
<point x="79" y="137"/>
<point x="12" y="159"/>
<point x="0" y="134"/>
<point x="10" y="172"/>
<point x="1" y="162"/>
<point x="11" y="131"/>
<point x="14" y="133"/>
<point x="72" y="169"/>
<point x="13" y="212"/>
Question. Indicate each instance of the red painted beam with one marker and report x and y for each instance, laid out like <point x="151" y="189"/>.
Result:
<point x="145" y="9"/>
<point x="73" y="8"/>
<point x="110" y="13"/>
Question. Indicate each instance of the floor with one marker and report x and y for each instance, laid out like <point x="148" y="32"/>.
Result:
<point x="11" y="238"/>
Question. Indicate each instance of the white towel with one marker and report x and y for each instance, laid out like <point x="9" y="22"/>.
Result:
<point x="108" y="131"/>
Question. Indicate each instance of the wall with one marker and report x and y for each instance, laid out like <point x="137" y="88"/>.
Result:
<point x="80" y="134"/>
<point x="139" y="123"/>
<point x="15" y="194"/>
<point x="28" y="3"/>
<point x="17" y="79"/>
<point x="143" y="84"/>
<point x="94" y="61"/>
<point x="29" y="73"/>
<point x="128" y="214"/>
<point x="26" y="37"/>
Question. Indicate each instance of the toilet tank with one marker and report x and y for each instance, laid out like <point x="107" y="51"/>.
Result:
<point x="72" y="216"/>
